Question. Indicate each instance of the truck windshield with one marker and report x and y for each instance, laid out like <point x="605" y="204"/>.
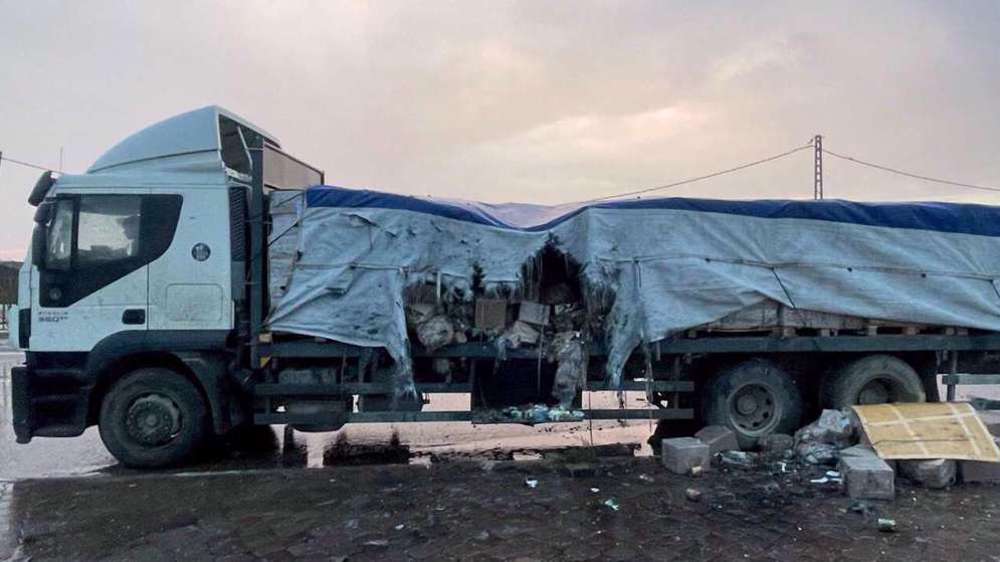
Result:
<point x="59" y="247"/>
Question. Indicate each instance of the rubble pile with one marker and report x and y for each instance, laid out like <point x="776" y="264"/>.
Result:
<point x="821" y="441"/>
<point x="836" y="439"/>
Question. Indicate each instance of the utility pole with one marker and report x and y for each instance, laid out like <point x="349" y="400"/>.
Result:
<point x="818" y="167"/>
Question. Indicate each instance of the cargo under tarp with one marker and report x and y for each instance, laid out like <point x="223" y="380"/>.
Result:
<point x="668" y="264"/>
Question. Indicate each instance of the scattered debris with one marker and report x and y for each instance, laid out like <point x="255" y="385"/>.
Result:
<point x="886" y="525"/>
<point x="646" y="478"/>
<point x="696" y="470"/>
<point x="531" y="483"/>
<point x="610" y="502"/>
<point x="530" y="414"/>
<point x="693" y="494"/>
<point x="821" y="441"/>
<point x="595" y="490"/>
<point x="737" y="459"/>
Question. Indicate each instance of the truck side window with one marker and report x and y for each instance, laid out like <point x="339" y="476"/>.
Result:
<point x="59" y="247"/>
<point x="108" y="229"/>
<point x="94" y="240"/>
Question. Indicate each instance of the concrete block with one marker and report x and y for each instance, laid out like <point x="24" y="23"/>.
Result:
<point x="681" y="454"/>
<point x="534" y="313"/>
<point x="865" y="451"/>
<point x="718" y="438"/>
<point x="991" y="419"/>
<point x="858" y="451"/>
<point x="934" y="474"/>
<point x="868" y="478"/>
<point x="979" y="472"/>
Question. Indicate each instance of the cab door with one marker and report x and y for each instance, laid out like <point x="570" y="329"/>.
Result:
<point x="93" y="275"/>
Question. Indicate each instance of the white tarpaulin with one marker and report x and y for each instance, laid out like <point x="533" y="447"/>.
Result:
<point x="670" y="264"/>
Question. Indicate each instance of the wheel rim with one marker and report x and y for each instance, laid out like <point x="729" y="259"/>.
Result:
<point x="877" y="391"/>
<point x="153" y="420"/>
<point x="753" y="409"/>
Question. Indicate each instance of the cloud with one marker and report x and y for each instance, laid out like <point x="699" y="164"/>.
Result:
<point x="535" y="101"/>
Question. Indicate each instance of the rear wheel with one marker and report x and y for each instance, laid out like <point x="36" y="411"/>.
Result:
<point x="875" y="379"/>
<point x="754" y="398"/>
<point x="153" y="418"/>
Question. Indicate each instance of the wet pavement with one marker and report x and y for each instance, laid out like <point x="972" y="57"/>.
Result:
<point x="620" y="509"/>
<point x="450" y="491"/>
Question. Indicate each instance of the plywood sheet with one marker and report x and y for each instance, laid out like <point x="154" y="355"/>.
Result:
<point x="940" y="430"/>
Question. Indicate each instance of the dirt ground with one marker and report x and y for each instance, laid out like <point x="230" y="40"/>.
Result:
<point x="484" y="510"/>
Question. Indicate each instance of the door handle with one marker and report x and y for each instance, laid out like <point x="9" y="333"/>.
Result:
<point x="134" y="316"/>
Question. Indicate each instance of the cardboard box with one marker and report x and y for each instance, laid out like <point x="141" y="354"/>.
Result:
<point x="491" y="314"/>
<point x="534" y="313"/>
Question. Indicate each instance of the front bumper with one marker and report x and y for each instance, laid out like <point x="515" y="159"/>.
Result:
<point x="49" y="402"/>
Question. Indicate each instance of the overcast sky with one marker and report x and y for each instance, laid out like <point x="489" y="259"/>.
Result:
<point x="521" y="101"/>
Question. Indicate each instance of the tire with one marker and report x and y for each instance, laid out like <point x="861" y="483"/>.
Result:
<point x="874" y="379"/>
<point x="754" y="398"/>
<point x="153" y="418"/>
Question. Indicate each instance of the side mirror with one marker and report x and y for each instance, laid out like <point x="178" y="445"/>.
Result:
<point x="38" y="243"/>
<point x="41" y="188"/>
<point x="43" y="213"/>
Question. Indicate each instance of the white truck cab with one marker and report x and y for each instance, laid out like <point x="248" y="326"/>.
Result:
<point x="137" y="264"/>
<point x="141" y="240"/>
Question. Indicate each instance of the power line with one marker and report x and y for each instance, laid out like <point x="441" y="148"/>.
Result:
<point x="27" y="164"/>
<point x="706" y="176"/>
<point x="910" y="174"/>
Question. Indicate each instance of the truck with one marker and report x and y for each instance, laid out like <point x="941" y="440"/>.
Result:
<point x="198" y="279"/>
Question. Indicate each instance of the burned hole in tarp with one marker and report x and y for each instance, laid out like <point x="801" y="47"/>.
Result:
<point x="547" y="313"/>
<point x="546" y="309"/>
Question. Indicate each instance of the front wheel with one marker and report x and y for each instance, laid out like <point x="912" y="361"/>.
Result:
<point x="153" y="418"/>
<point x="754" y="398"/>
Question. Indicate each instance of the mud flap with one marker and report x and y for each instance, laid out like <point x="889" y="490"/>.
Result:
<point x="21" y="398"/>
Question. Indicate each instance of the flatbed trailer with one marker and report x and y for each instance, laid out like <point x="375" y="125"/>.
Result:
<point x="160" y="376"/>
